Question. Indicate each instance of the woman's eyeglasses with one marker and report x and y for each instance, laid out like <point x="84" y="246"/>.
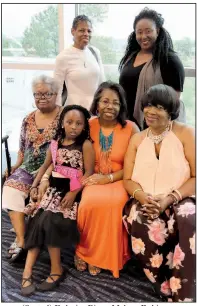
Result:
<point x="106" y="103"/>
<point x="46" y="95"/>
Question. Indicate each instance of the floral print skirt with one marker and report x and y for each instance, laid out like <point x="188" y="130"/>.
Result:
<point x="166" y="248"/>
<point x="50" y="224"/>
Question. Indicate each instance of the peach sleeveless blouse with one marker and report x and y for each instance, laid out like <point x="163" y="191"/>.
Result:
<point x="163" y="175"/>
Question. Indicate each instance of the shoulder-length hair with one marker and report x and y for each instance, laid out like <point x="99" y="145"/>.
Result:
<point x="165" y="96"/>
<point x="117" y="88"/>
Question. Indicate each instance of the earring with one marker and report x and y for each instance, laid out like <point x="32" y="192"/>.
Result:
<point x="33" y="105"/>
<point x="97" y="113"/>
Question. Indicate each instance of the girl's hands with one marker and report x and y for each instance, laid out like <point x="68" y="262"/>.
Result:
<point x="68" y="200"/>
<point x="42" y="189"/>
<point x="34" y="194"/>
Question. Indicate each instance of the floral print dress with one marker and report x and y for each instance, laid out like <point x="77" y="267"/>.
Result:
<point x="165" y="246"/>
<point x="33" y="145"/>
<point x="50" y="223"/>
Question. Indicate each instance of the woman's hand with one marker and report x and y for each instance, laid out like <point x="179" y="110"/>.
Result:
<point x="34" y="194"/>
<point x="150" y="207"/>
<point x="164" y="202"/>
<point x="13" y="168"/>
<point x="96" y="179"/>
<point x="68" y="200"/>
<point x="156" y="206"/>
<point x="42" y="189"/>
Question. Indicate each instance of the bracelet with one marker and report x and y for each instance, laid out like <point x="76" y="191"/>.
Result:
<point x="179" y="194"/>
<point x="111" y="178"/>
<point x="174" y="197"/>
<point x="136" y="190"/>
<point x="33" y="188"/>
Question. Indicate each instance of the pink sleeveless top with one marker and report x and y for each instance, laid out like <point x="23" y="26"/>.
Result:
<point x="163" y="175"/>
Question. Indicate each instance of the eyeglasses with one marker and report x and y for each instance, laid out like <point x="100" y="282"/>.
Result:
<point x="46" y="95"/>
<point x="106" y="103"/>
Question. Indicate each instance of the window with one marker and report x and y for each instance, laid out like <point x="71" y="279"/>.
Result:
<point x="41" y="31"/>
<point x="34" y="32"/>
<point x="29" y="48"/>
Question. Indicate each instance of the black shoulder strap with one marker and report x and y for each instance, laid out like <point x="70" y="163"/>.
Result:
<point x="94" y="53"/>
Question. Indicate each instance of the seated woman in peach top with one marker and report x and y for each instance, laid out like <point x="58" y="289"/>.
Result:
<point x="159" y="174"/>
<point x="104" y="240"/>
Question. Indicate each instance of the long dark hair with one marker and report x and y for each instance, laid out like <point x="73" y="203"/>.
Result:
<point x="163" y="44"/>
<point x="85" y="134"/>
<point x="121" y="94"/>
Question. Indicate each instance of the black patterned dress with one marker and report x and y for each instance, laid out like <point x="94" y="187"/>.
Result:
<point x="50" y="224"/>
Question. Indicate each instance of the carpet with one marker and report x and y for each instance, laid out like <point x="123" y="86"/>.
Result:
<point x="132" y="286"/>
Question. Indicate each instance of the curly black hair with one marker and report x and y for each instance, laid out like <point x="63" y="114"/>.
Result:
<point x="80" y="18"/>
<point x="165" y="96"/>
<point x="163" y="44"/>
<point x="85" y="134"/>
<point x="121" y="94"/>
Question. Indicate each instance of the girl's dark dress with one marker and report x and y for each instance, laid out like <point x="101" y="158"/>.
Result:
<point x="50" y="224"/>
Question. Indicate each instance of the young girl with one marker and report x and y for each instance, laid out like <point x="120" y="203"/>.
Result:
<point x="70" y="158"/>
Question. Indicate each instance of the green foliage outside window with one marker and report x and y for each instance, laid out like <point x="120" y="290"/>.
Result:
<point x="40" y="39"/>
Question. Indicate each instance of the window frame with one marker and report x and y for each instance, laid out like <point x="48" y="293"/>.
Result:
<point x="41" y="63"/>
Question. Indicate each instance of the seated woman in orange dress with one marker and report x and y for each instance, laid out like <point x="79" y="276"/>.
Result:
<point x="104" y="241"/>
<point x="159" y="174"/>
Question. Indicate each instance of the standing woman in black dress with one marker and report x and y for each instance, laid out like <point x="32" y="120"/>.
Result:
<point x="149" y="60"/>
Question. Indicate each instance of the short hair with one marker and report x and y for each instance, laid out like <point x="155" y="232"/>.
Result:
<point x="165" y="96"/>
<point x="121" y="94"/>
<point x="85" y="134"/>
<point x="80" y="18"/>
<point x="47" y="80"/>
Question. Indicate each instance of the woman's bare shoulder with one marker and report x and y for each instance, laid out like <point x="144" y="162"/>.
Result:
<point x="137" y="138"/>
<point x="183" y="131"/>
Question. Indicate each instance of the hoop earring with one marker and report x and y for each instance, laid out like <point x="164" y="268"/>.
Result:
<point x="97" y="113"/>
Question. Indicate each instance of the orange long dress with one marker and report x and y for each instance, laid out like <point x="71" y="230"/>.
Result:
<point x="104" y="240"/>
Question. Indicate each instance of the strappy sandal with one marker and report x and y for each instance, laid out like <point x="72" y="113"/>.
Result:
<point x="26" y="291"/>
<point x="45" y="286"/>
<point x="80" y="264"/>
<point x="17" y="254"/>
<point x="94" y="270"/>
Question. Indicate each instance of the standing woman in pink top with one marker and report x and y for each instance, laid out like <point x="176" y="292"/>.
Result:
<point x="159" y="174"/>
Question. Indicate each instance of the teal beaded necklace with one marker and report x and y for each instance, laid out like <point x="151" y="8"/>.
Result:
<point x="105" y="141"/>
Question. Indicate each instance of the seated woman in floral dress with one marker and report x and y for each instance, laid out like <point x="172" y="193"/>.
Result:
<point x="159" y="175"/>
<point x="38" y="128"/>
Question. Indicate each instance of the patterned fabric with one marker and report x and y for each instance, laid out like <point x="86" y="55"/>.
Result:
<point x="50" y="223"/>
<point x="32" y="147"/>
<point x="73" y="174"/>
<point x="166" y="247"/>
<point x="66" y="155"/>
